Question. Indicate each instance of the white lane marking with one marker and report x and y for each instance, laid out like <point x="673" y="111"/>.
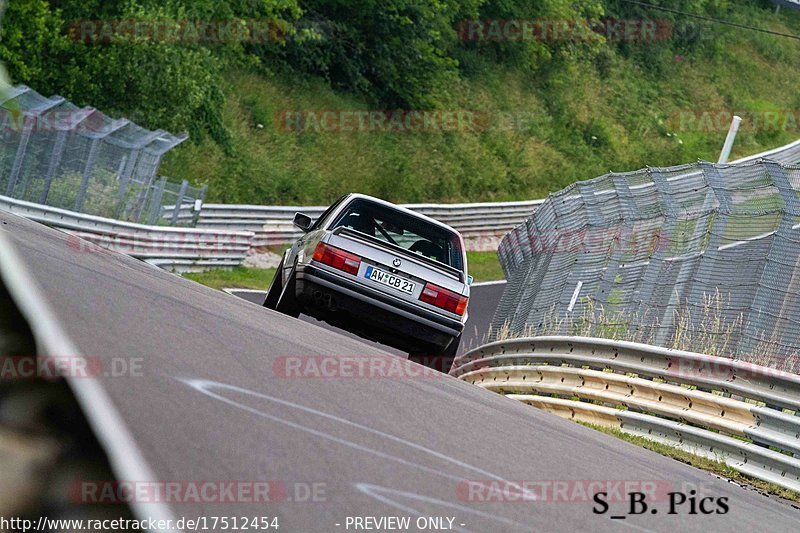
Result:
<point x="206" y="387"/>
<point x="126" y="459"/>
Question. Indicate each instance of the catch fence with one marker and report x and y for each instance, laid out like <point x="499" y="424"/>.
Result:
<point x="702" y="256"/>
<point x="57" y="154"/>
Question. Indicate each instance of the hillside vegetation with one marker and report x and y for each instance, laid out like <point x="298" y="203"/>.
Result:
<point x="551" y="111"/>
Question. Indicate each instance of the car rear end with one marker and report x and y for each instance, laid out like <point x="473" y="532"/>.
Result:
<point x="384" y="291"/>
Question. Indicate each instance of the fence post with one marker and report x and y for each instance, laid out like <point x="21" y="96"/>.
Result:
<point x="140" y="202"/>
<point x="177" y="209"/>
<point x="87" y="172"/>
<point x="155" y="208"/>
<point x="55" y="162"/>
<point x="127" y="172"/>
<point x="726" y="148"/>
<point x="22" y="147"/>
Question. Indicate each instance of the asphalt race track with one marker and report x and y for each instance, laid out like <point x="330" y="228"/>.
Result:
<point x="484" y="298"/>
<point x="214" y="403"/>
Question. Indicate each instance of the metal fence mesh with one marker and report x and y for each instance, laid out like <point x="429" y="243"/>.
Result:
<point x="701" y="257"/>
<point x="55" y="153"/>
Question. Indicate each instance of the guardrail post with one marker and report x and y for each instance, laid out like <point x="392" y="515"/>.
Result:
<point x="87" y="172"/>
<point x="55" y="162"/>
<point x="179" y="201"/>
<point x="199" y="204"/>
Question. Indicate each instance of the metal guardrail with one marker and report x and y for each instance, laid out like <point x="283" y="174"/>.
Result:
<point x="481" y="224"/>
<point x="743" y="414"/>
<point x="177" y="249"/>
<point x="787" y="155"/>
<point x="226" y="233"/>
<point x="222" y="229"/>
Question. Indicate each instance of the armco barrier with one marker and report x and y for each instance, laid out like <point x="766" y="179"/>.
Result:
<point x="740" y="413"/>
<point x="178" y="249"/>
<point x="481" y="224"/>
<point x="218" y="241"/>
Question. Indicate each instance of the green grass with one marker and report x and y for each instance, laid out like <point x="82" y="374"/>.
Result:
<point x="238" y="278"/>
<point x="716" y="467"/>
<point x="483" y="266"/>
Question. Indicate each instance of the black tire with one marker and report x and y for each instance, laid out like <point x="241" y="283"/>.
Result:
<point x="275" y="289"/>
<point x="287" y="303"/>
<point x="441" y="361"/>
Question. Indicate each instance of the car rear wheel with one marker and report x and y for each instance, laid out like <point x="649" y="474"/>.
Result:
<point x="275" y="289"/>
<point x="442" y="360"/>
<point x="287" y="303"/>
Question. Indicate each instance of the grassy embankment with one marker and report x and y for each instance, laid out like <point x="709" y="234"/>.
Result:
<point x="616" y="111"/>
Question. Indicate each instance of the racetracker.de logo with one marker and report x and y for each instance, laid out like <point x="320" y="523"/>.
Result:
<point x="85" y="121"/>
<point x="565" y="30"/>
<point x="561" y="491"/>
<point x="594" y="240"/>
<point x="165" y="242"/>
<point x="383" y="121"/>
<point x="721" y="369"/>
<point x="197" y="491"/>
<point x="719" y="120"/>
<point x="69" y="366"/>
<point x="111" y="31"/>
<point x="353" y="367"/>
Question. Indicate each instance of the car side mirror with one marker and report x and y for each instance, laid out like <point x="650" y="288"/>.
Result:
<point x="470" y="279"/>
<point x="303" y="221"/>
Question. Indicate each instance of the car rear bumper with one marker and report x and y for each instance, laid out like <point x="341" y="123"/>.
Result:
<point x="328" y="295"/>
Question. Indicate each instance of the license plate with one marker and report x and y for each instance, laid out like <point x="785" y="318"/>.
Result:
<point x="390" y="280"/>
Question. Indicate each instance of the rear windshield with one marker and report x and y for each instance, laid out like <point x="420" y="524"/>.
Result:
<point x="401" y="229"/>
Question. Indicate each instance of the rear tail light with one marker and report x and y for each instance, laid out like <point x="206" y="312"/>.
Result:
<point x="443" y="298"/>
<point x="337" y="258"/>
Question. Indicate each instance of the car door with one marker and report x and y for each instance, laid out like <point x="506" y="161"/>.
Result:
<point x="290" y="256"/>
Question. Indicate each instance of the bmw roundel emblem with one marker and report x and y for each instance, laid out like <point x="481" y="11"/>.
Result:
<point x="396" y="262"/>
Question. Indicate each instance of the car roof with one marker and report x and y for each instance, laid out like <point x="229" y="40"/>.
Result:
<point x="355" y="195"/>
